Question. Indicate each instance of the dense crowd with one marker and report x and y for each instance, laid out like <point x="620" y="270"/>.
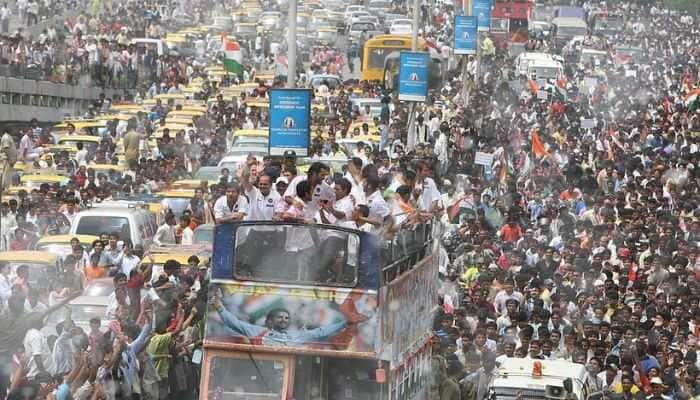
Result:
<point x="106" y="44"/>
<point x="575" y="243"/>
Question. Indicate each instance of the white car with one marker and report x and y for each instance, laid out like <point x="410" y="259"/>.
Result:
<point x="356" y="15"/>
<point x="237" y="156"/>
<point x="370" y="18"/>
<point x="82" y="309"/>
<point x="351" y="9"/>
<point x="401" y="27"/>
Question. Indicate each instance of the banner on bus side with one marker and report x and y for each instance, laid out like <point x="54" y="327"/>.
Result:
<point x="411" y="299"/>
<point x="481" y="9"/>
<point x="413" y="76"/>
<point x="290" y="121"/>
<point x="332" y="319"/>
<point x="465" y="34"/>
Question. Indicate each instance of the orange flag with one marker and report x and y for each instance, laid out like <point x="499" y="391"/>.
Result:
<point x="537" y="145"/>
<point x="533" y="86"/>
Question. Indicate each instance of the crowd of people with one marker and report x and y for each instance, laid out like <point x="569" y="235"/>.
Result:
<point x="94" y="47"/>
<point x="574" y="243"/>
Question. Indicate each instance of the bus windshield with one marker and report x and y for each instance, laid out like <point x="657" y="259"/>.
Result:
<point x="254" y="378"/>
<point x="571" y="31"/>
<point x="377" y="56"/>
<point x="296" y="254"/>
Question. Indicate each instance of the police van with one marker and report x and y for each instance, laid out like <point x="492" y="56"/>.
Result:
<point x="538" y="379"/>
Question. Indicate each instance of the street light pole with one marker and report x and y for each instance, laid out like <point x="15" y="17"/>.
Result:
<point x="414" y="34"/>
<point x="292" y="45"/>
<point x="411" y="137"/>
<point x="467" y="8"/>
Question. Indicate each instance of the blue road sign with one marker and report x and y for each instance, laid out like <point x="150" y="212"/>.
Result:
<point x="481" y="9"/>
<point x="413" y="76"/>
<point x="465" y="34"/>
<point x="290" y="121"/>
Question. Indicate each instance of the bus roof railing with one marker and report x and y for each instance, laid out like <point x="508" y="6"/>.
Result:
<point x="405" y="250"/>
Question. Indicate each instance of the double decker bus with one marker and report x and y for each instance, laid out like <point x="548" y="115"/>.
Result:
<point x="306" y="311"/>
<point x="607" y="23"/>
<point x="518" y="14"/>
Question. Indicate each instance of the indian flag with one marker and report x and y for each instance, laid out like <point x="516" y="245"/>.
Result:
<point x="232" y="57"/>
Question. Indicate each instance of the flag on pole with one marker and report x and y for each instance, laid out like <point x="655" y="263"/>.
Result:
<point x="534" y="87"/>
<point x="537" y="146"/>
<point x="232" y="57"/>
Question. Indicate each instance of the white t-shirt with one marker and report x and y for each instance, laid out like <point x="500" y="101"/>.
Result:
<point x="128" y="263"/>
<point x="26" y="143"/>
<point x="35" y="344"/>
<point x="429" y="194"/>
<point x="222" y="210"/>
<point x="81" y="157"/>
<point x="378" y="210"/>
<point x="356" y="191"/>
<point x="187" y="236"/>
<point x="345" y="206"/>
<point x="353" y="225"/>
<point x="262" y="208"/>
<point x="322" y="191"/>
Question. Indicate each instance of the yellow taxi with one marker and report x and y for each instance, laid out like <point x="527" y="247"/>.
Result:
<point x="34" y="181"/>
<point x="90" y="142"/>
<point x="170" y="96"/>
<point x="43" y="266"/>
<point x="106" y="168"/>
<point x="174" y="128"/>
<point x="126" y="107"/>
<point x="190" y="184"/>
<point x="176" y="200"/>
<point x="185" y="114"/>
<point x="178" y="120"/>
<point x="158" y="255"/>
<point x="259" y="104"/>
<point x="81" y="124"/>
<point x="60" y="244"/>
<point x="373" y="129"/>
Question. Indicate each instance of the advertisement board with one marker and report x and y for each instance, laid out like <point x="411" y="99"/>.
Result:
<point x="465" y="35"/>
<point x="407" y="315"/>
<point x="293" y="318"/>
<point x="413" y="76"/>
<point x="481" y="9"/>
<point x="290" y="121"/>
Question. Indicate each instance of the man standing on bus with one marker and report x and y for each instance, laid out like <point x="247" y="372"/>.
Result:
<point x="276" y="331"/>
<point x="232" y="206"/>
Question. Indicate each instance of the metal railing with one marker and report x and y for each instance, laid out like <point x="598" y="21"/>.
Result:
<point x="406" y="249"/>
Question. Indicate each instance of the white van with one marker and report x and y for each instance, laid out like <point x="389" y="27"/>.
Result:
<point x="543" y="69"/>
<point x="129" y="221"/>
<point x="152" y="43"/>
<point x="551" y="380"/>
<point x="524" y="60"/>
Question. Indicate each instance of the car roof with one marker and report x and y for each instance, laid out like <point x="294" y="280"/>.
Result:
<point x="116" y="211"/>
<point x="90" y="301"/>
<point x="61" y="239"/>
<point x="28" y="256"/>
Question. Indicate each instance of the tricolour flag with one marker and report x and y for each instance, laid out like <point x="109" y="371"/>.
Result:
<point x="233" y="57"/>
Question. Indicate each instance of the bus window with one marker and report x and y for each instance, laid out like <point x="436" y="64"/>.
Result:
<point x="299" y="254"/>
<point x="254" y="378"/>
